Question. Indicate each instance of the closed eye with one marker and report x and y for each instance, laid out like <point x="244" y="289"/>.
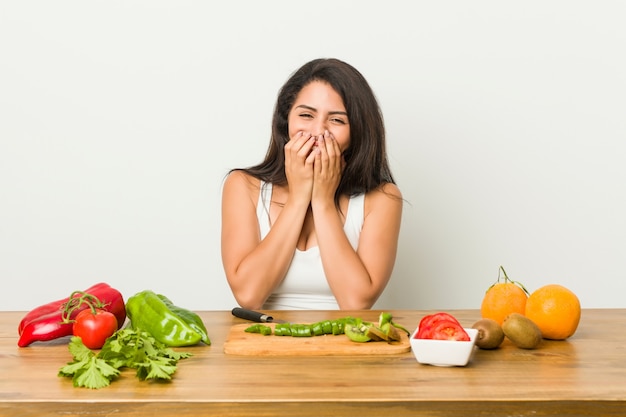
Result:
<point x="338" y="117"/>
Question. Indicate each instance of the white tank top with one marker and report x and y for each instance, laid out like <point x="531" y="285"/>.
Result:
<point x="305" y="286"/>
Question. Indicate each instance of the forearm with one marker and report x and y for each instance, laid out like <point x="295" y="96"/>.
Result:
<point x="346" y="274"/>
<point x="357" y="278"/>
<point x="265" y="264"/>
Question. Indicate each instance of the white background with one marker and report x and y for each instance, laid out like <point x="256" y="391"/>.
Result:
<point x="506" y="130"/>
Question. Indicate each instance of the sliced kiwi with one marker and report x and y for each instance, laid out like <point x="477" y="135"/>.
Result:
<point x="357" y="331"/>
<point x="392" y="333"/>
<point x="376" y="334"/>
<point x="490" y="333"/>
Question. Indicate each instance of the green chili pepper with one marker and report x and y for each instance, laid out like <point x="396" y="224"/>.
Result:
<point x="282" y="329"/>
<point x="317" y="329"/>
<point x="301" y="330"/>
<point x="148" y="312"/>
<point x="327" y="326"/>
<point x="386" y="318"/>
<point x="192" y="319"/>
<point x="330" y="327"/>
<point x="252" y="329"/>
<point x="260" y="328"/>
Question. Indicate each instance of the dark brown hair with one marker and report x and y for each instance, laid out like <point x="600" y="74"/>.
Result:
<point x="366" y="166"/>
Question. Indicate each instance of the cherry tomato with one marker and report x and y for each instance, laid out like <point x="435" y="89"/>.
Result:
<point x="94" y="329"/>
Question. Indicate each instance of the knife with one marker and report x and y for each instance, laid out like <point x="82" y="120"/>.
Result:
<point x="255" y="316"/>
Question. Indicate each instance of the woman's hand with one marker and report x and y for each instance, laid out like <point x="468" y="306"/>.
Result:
<point x="327" y="169"/>
<point x="299" y="159"/>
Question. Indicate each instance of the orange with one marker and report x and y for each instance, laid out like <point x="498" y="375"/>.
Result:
<point x="502" y="299"/>
<point x="555" y="310"/>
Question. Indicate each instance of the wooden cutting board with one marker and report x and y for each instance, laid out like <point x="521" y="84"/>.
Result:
<point x="238" y="342"/>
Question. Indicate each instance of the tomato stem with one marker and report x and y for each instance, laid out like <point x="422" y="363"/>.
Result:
<point x="76" y="300"/>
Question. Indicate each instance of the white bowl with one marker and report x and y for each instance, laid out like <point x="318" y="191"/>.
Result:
<point x="443" y="352"/>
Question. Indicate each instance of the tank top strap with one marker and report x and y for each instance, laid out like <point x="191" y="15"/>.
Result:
<point x="354" y="219"/>
<point x="352" y="226"/>
<point x="263" y="207"/>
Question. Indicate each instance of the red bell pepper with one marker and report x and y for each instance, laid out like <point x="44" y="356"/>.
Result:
<point x="50" y="321"/>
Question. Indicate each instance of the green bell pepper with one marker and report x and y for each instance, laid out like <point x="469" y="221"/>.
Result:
<point x="190" y="317"/>
<point x="167" y="323"/>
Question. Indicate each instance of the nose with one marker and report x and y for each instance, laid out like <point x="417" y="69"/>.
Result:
<point x="320" y="127"/>
<point x="320" y="133"/>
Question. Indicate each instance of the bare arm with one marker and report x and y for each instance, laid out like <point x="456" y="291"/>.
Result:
<point x="255" y="267"/>
<point x="358" y="278"/>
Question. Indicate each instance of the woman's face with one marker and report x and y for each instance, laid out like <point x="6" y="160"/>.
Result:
<point x="318" y="108"/>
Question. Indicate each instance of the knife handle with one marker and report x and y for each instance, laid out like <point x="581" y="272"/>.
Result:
<point x="255" y="316"/>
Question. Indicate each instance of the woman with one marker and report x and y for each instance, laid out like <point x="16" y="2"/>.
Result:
<point x="316" y="224"/>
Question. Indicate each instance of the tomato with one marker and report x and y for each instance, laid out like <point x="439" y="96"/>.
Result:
<point x="426" y="324"/>
<point x="94" y="329"/>
<point x="441" y="326"/>
<point x="449" y="330"/>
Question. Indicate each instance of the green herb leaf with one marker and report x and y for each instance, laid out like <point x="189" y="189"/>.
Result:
<point x="79" y="351"/>
<point x="97" y="374"/>
<point x="73" y="367"/>
<point x="156" y="368"/>
<point x="172" y="354"/>
<point x="126" y="348"/>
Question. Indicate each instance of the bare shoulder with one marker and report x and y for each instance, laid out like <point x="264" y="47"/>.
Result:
<point x="384" y="194"/>
<point x="386" y="198"/>
<point x="391" y="190"/>
<point x="241" y="179"/>
<point x="242" y="184"/>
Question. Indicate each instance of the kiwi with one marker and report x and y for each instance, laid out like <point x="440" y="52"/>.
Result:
<point x="522" y="331"/>
<point x="490" y="334"/>
<point x="357" y="332"/>
<point x="376" y="334"/>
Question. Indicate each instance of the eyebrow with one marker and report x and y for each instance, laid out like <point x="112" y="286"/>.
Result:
<point x="304" y="106"/>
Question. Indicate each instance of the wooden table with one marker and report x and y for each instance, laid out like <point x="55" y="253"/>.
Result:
<point x="583" y="376"/>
